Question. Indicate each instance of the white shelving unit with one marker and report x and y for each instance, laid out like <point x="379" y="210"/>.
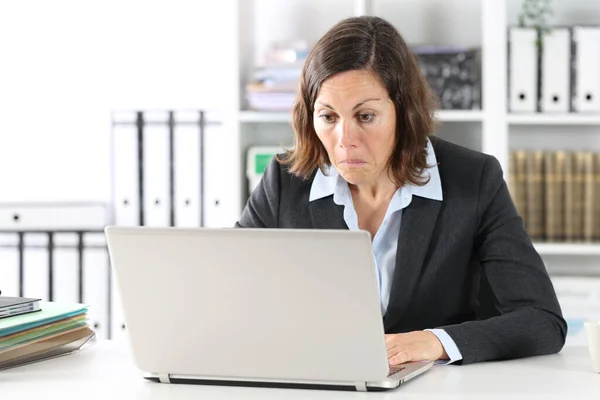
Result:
<point x="481" y="23"/>
<point x="556" y="119"/>
<point x="568" y="249"/>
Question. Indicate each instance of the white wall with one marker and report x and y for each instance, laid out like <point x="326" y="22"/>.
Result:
<point x="65" y="64"/>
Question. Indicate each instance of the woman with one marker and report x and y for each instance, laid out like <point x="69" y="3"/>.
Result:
<point x="460" y="280"/>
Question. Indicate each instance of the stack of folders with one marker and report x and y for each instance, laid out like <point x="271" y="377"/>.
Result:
<point x="56" y="329"/>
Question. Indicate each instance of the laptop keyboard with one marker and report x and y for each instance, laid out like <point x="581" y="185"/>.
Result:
<point x="395" y="369"/>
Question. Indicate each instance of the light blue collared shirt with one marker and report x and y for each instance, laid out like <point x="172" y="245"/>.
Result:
<point x="385" y="241"/>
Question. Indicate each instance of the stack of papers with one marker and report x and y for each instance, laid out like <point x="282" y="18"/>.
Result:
<point x="56" y="329"/>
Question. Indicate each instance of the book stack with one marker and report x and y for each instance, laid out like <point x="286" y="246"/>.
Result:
<point x="557" y="194"/>
<point x="273" y="86"/>
<point x="54" y="329"/>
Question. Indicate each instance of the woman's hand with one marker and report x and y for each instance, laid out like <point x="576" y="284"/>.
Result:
<point x="414" y="346"/>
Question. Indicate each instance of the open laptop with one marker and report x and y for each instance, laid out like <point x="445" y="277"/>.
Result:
<point x="254" y="307"/>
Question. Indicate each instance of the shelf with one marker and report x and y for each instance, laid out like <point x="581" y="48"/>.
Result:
<point x="568" y="249"/>
<point x="285" y="117"/>
<point x="265" y="116"/>
<point x="459" y="115"/>
<point x="554" y="119"/>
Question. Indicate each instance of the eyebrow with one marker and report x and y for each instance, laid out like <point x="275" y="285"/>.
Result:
<point x="354" y="108"/>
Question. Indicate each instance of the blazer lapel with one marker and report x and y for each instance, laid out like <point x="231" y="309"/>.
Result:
<point x="325" y="214"/>
<point x="418" y="224"/>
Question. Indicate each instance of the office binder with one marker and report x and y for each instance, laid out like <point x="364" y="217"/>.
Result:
<point x="156" y="166"/>
<point x="555" y="70"/>
<point x="585" y="67"/>
<point x="125" y="172"/>
<point x="257" y="160"/>
<point x="523" y="69"/>
<point x="9" y="264"/>
<point x="187" y="172"/>
<point x="44" y="216"/>
<point x="36" y="266"/>
<point x="118" y="329"/>
<point x="65" y="282"/>
<point x="95" y="282"/>
<point x="216" y="201"/>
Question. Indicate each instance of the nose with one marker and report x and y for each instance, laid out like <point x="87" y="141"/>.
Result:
<point x="346" y="134"/>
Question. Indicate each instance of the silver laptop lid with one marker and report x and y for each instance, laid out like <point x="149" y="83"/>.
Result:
<point x="251" y="303"/>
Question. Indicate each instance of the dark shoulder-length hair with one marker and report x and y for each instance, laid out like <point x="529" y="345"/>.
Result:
<point x="366" y="43"/>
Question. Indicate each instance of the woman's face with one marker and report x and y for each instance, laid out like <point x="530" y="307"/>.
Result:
<point x="356" y="121"/>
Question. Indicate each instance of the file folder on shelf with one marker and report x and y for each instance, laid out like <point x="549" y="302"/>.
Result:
<point x="126" y="167"/>
<point x="187" y="168"/>
<point x="65" y="276"/>
<point x="586" y="64"/>
<point x="43" y="216"/>
<point x="523" y="69"/>
<point x="257" y="159"/>
<point x="95" y="282"/>
<point x="9" y="264"/>
<point x="156" y="166"/>
<point x="217" y="199"/>
<point x="36" y="266"/>
<point x="169" y="166"/>
<point x="555" y="70"/>
<point x="118" y="328"/>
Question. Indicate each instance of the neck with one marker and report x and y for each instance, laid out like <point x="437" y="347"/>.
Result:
<point x="375" y="192"/>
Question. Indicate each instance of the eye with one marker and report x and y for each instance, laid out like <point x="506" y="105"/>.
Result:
<point x="328" y="118"/>
<point x="366" y="117"/>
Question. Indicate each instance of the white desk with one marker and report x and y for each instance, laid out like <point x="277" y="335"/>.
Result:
<point x="106" y="370"/>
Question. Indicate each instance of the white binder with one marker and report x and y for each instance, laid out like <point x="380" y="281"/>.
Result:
<point x="523" y="70"/>
<point x="95" y="282"/>
<point x="556" y="70"/>
<point x="586" y="67"/>
<point x="217" y="164"/>
<point x="36" y="266"/>
<point x="125" y="170"/>
<point x="9" y="264"/>
<point x="118" y="331"/>
<point x="24" y="216"/>
<point x="187" y="174"/>
<point x="65" y="279"/>
<point x="156" y="170"/>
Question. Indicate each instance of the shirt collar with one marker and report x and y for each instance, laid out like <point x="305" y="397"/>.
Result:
<point x="327" y="185"/>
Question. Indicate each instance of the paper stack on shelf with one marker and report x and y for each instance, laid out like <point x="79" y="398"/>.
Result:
<point x="57" y="329"/>
<point x="273" y="87"/>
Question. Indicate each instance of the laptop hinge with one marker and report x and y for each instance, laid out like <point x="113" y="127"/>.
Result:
<point x="361" y="386"/>
<point x="164" y="378"/>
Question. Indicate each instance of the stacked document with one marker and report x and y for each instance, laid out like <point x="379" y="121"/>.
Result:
<point x="56" y="329"/>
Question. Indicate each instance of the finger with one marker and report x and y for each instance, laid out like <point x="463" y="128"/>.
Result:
<point x="393" y="351"/>
<point x="399" y="358"/>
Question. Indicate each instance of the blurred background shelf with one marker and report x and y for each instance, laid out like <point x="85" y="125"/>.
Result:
<point x="554" y="119"/>
<point x="459" y="115"/>
<point x="265" y="116"/>
<point x="568" y="249"/>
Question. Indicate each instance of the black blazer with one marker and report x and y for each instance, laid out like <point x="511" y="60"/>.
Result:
<point x="464" y="264"/>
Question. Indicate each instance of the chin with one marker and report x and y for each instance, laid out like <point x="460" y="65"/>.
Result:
<point x="354" y="177"/>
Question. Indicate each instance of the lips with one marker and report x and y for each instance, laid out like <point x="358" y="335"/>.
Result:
<point x="351" y="162"/>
